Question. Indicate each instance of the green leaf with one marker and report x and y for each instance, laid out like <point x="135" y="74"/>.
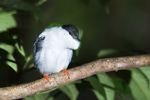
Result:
<point x="120" y="85"/>
<point x="105" y="4"/>
<point x="20" y="49"/>
<point x="98" y="95"/>
<point x="80" y="33"/>
<point x="105" y="79"/>
<point x="51" y="98"/>
<point x="77" y="51"/>
<point x="40" y="2"/>
<point x="54" y="24"/>
<point x="30" y="66"/>
<point x="139" y="85"/>
<point x="122" y="90"/>
<point x="123" y="97"/>
<point x="7" y="21"/>
<point x="106" y="52"/>
<point x="97" y="87"/>
<point x="29" y="58"/>
<point x="9" y="49"/>
<point x="75" y="82"/>
<point x="146" y="72"/>
<point x="53" y="89"/>
<point x="110" y="94"/>
<point x="13" y="65"/>
<point x="37" y="97"/>
<point x="26" y="7"/>
<point x="80" y="37"/>
<point x="70" y="90"/>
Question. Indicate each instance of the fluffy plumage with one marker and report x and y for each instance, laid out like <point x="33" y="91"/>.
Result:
<point x="54" y="47"/>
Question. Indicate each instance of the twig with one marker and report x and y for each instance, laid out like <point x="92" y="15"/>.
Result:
<point x="80" y="72"/>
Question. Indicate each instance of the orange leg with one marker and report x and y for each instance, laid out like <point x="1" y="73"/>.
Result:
<point x="46" y="76"/>
<point x="65" y="71"/>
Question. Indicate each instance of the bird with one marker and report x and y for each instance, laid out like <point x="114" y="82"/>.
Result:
<point x="53" y="49"/>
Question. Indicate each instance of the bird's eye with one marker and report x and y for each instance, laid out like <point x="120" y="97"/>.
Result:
<point x="70" y="33"/>
<point x="42" y="38"/>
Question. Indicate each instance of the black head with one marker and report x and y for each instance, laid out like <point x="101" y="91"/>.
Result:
<point x="73" y="31"/>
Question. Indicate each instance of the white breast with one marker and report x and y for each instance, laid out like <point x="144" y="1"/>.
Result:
<point x="54" y="60"/>
<point x="57" y="51"/>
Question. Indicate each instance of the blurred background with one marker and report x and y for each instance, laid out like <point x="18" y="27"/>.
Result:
<point x="107" y="28"/>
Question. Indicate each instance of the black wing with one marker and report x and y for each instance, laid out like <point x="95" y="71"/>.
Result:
<point x="37" y="47"/>
<point x="38" y="44"/>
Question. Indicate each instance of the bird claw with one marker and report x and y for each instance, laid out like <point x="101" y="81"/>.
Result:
<point x="65" y="71"/>
<point x="46" y="76"/>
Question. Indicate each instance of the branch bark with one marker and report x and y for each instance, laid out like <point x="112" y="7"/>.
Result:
<point x="80" y="72"/>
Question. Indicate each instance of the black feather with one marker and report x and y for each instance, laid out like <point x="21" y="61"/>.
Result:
<point x="73" y="31"/>
<point x="38" y="44"/>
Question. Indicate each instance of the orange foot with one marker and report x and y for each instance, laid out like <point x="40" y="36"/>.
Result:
<point x="46" y="76"/>
<point x="65" y="71"/>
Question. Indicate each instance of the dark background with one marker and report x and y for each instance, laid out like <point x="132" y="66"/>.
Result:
<point x="111" y="28"/>
<point x="124" y="26"/>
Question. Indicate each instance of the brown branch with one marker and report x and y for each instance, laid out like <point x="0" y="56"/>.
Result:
<point x="80" y="72"/>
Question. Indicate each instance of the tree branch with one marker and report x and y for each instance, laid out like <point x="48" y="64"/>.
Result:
<point x="80" y="72"/>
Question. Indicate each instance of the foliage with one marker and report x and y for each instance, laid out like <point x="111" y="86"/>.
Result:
<point x="121" y="85"/>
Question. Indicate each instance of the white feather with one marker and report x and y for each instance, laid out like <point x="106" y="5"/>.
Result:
<point x="56" y="52"/>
